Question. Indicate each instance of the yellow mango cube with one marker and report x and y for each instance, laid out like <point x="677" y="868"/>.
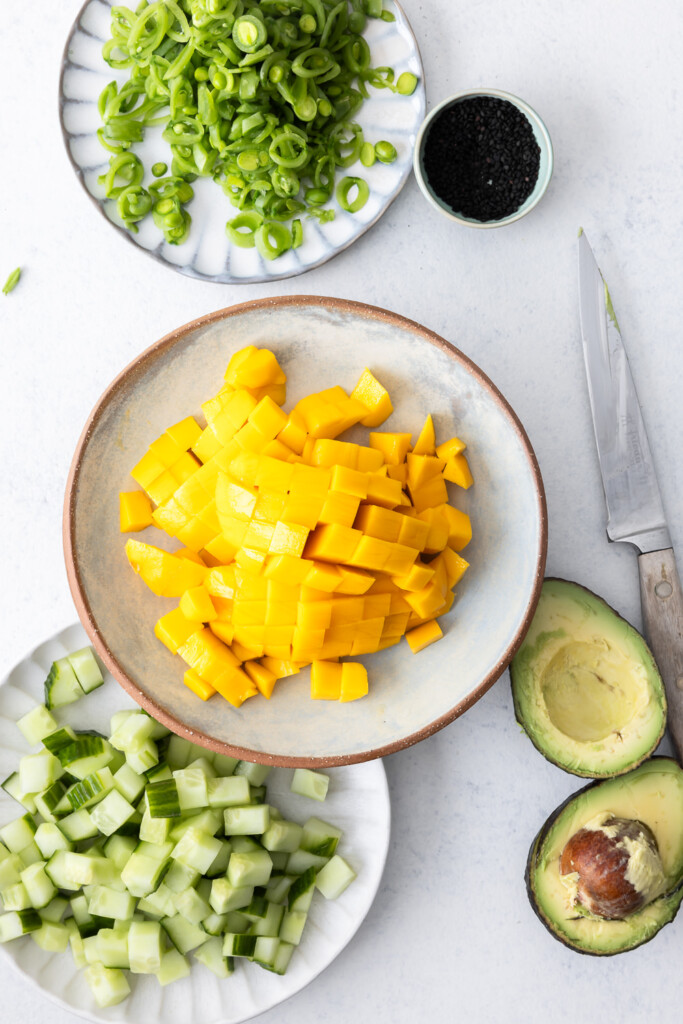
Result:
<point x="288" y="539"/>
<point x="323" y="576"/>
<point x="326" y="680"/>
<point x="274" y="474"/>
<point x="302" y="509"/>
<point x="147" y="470"/>
<point x="286" y="569"/>
<point x="428" y="495"/>
<point x="313" y="615"/>
<point x="166" y="450"/>
<point x="135" y="511"/>
<point x="456" y="567"/>
<point x="369" y="460"/>
<point x="354" y="681"/>
<point x="185" y="433"/>
<point x="197" y="606"/>
<point x="349" y="481"/>
<point x="225" y="631"/>
<point x="339" y="508"/>
<point x="457" y="471"/>
<point x="333" y="543"/>
<point x="294" y="433"/>
<point x="268" y="418"/>
<point x="370" y="393"/>
<point x="207" y="655"/>
<point x="370" y="553"/>
<point x="454" y="446"/>
<point x="208" y="444"/>
<point x="353" y="581"/>
<point x="424" y="635"/>
<point x="281" y="667"/>
<point x="164" y="574"/>
<point x="379" y="522"/>
<point x="198" y="685"/>
<point x="235" y="686"/>
<point x="261" y="677"/>
<point x="426" y="441"/>
<point x="254" y="368"/>
<point x="459" y="528"/>
<point x="384" y="491"/>
<point x="173" y="629"/>
<point x="394" y="447"/>
<point x="161" y="489"/>
<point x="417" y="577"/>
<point x="328" y="452"/>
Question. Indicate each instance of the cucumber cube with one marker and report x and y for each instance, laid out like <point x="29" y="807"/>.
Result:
<point x="61" y="686"/>
<point x="174" y="966"/>
<point x="255" y="773"/>
<point x="145" y="947"/>
<point x="53" y="938"/>
<point x="109" y="987"/>
<point x="320" y="838"/>
<point x="246" y="821"/>
<point x="211" y="955"/>
<point x="129" y="783"/>
<point x="109" y="814"/>
<point x="50" y="838"/>
<point x="252" y="868"/>
<point x="225" y="897"/>
<point x="282" y="836"/>
<point x="334" y="878"/>
<point x="17" y="923"/>
<point x="228" y="792"/>
<point x="197" y="850"/>
<point x="18" y="834"/>
<point x="35" y="725"/>
<point x="309" y="783"/>
<point x="111" y="947"/>
<point x="38" y="886"/>
<point x="104" y="901"/>
<point x="87" y="670"/>
<point x="184" y="936"/>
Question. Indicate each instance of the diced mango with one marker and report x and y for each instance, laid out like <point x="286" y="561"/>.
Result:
<point x="424" y="635"/>
<point x="147" y="469"/>
<point x="135" y="511"/>
<point x="173" y="629"/>
<point x="370" y="393"/>
<point x="262" y="677"/>
<point x="198" y="685"/>
<point x="333" y="543"/>
<point x="164" y="574"/>
<point x="450" y="448"/>
<point x="426" y="442"/>
<point x="254" y="368"/>
<point x="326" y="680"/>
<point x="354" y="681"/>
<point x="196" y="605"/>
<point x="394" y="447"/>
<point x="457" y="471"/>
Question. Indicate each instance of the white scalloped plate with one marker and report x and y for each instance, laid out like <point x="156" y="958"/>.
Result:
<point x="358" y="801"/>
<point x="207" y="253"/>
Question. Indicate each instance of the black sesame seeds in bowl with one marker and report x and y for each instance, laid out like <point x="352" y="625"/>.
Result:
<point x="484" y="158"/>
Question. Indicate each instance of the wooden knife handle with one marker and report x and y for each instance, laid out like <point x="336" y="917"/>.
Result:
<point x="662" y="601"/>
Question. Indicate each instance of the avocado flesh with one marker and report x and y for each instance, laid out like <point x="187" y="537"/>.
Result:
<point x="652" y="794"/>
<point x="585" y="685"/>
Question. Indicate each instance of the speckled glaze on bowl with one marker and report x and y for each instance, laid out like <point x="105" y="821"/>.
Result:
<point x="320" y="342"/>
<point x="545" y="170"/>
<point x="207" y="254"/>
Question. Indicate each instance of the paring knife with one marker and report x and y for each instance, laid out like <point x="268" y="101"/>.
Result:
<point x="635" y="513"/>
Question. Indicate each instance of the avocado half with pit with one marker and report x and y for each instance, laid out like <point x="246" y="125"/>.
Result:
<point x="650" y="797"/>
<point x="585" y="685"/>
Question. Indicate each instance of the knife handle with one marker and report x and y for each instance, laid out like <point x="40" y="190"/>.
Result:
<point x="662" y="601"/>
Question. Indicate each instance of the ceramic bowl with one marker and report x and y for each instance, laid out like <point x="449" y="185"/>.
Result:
<point x="320" y="342"/>
<point x="540" y="134"/>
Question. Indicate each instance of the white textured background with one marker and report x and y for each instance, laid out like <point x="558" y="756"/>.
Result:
<point x="451" y="935"/>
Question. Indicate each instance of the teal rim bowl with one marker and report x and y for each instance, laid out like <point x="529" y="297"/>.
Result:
<point x="545" y="170"/>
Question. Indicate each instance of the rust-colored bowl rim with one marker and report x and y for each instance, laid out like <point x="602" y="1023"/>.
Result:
<point x="74" y="572"/>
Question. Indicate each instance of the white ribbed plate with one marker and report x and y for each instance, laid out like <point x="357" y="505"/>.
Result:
<point x="207" y="253"/>
<point x="358" y="801"/>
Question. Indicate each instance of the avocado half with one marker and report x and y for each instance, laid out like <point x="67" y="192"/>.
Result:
<point x="652" y="794"/>
<point x="585" y="685"/>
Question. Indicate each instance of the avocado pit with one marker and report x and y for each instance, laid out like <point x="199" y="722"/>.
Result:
<point x="612" y="867"/>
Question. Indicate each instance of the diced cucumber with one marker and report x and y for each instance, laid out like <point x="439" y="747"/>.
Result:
<point x="38" y="886"/>
<point x="17" y="923"/>
<point x="270" y="923"/>
<point x="87" y="754"/>
<point x="142" y="874"/>
<point x="106" y="902"/>
<point x="320" y="838"/>
<point x="160" y="903"/>
<point x="255" y="773"/>
<point x="207" y="821"/>
<point x="278" y="888"/>
<point x="292" y="927"/>
<point x="18" y="833"/>
<point x="191" y="788"/>
<point x="86" y="669"/>
<point x="78" y="826"/>
<point x="111" y="947"/>
<point x="91" y="789"/>
<point x="211" y="955"/>
<point x="48" y="802"/>
<point x="265" y="951"/>
<point x="70" y="871"/>
<point x="301" y="891"/>
<point x="252" y="868"/>
<point x="246" y="821"/>
<point x="334" y="878"/>
<point x="184" y="936"/>
<point x="308" y="783"/>
<point x="258" y="906"/>
<point x="162" y="799"/>
<point x="61" y="686"/>
<point x="143" y="759"/>
<point x="110" y="814"/>
<point x="53" y="938"/>
<point x="244" y="844"/>
<point x="282" y="957"/>
<point x="55" y="741"/>
<point x="215" y="924"/>
<point x="282" y="837"/>
<point x="301" y="861"/>
<point x="197" y="849"/>
<point x="15" y="897"/>
<point x="118" y="849"/>
<point x="133" y="733"/>
<point x="233" y="791"/>
<point x="224" y="764"/>
<point x="225" y="897"/>
<point x="77" y="951"/>
<point x="11" y="867"/>
<point x="30" y="854"/>
<point x="109" y="987"/>
<point x="236" y="921"/>
<point x="180" y="877"/>
<point x="154" y="830"/>
<point x="174" y="966"/>
<point x="238" y="944"/>
<point x="12" y="786"/>
<point x="203" y="764"/>
<point x="38" y="771"/>
<point x="145" y="947"/>
<point x="54" y="911"/>
<point x="158" y="773"/>
<point x="4" y="852"/>
<point x="219" y="864"/>
<point x="180" y="752"/>
<point x="191" y="906"/>
<point x="50" y="838"/>
<point x="129" y="783"/>
<point x="36" y="724"/>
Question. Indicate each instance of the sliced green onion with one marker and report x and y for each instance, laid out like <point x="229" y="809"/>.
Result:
<point x="367" y="154"/>
<point x="12" y="281"/>
<point x="345" y="187"/>
<point x="241" y="229"/>
<point x="272" y="239"/>
<point x="406" y="84"/>
<point x="385" y="152"/>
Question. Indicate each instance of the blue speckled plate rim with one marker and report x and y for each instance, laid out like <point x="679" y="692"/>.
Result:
<point x="187" y="271"/>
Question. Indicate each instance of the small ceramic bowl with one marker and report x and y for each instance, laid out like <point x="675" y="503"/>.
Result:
<point x="542" y="138"/>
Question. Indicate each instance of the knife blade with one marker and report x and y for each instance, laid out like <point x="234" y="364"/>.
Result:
<point x="635" y="513"/>
<point x="634" y="504"/>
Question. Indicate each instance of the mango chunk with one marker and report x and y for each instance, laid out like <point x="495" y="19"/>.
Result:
<point x="370" y="393"/>
<point x="135" y="511"/>
<point x="424" y="635"/>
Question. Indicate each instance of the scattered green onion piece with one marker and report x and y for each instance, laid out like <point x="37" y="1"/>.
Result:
<point x="297" y="234"/>
<point x="240" y="230"/>
<point x="345" y="186"/>
<point x="367" y="154"/>
<point x="158" y="170"/>
<point x="272" y="239"/>
<point x="12" y="281"/>
<point x="385" y="152"/>
<point x="406" y="84"/>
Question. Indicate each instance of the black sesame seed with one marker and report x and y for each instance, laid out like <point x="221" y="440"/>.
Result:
<point x="481" y="158"/>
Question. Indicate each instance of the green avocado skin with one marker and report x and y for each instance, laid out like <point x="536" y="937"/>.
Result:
<point x="566" y="611"/>
<point x="661" y="911"/>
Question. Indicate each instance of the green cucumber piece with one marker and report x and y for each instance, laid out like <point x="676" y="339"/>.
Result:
<point x="292" y="927"/>
<point x="265" y="951"/>
<point x="103" y="901"/>
<point x="197" y="849"/>
<point x="61" y="686"/>
<point x="39" y="887"/>
<point x="111" y="947"/>
<point x="239" y="944"/>
<point x="12" y="786"/>
<point x="109" y="986"/>
<point x="162" y="799"/>
<point x="301" y="891"/>
<point x="255" y="773"/>
<point x="58" y="739"/>
<point x="251" y="868"/>
<point x="50" y="838"/>
<point x="301" y="860"/>
<point x="78" y="826"/>
<point x="191" y="788"/>
<point x="225" y="897"/>
<point x="36" y="724"/>
<point x="282" y="837"/>
<point x="269" y="924"/>
<point x="246" y="821"/>
<point x="308" y="783"/>
<point x="18" y="923"/>
<point x="145" y="947"/>
<point x="118" y="849"/>
<point x="184" y="936"/>
<point x="15" y="897"/>
<point x="211" y="955"/>
<point x="191" y="906"/>
<point x="86" y="669"/>
<point x="129" y="783"/>
<point x="17" y="835"/>
<point x="334" y="878"/>
<point x="91" y="789"/>
<point x="111" y="813"/>
<point x="53" y="938"/>
<point x="174" y="966"/>
<point x="233" y="791"/>
<point x="320" y="838"/>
